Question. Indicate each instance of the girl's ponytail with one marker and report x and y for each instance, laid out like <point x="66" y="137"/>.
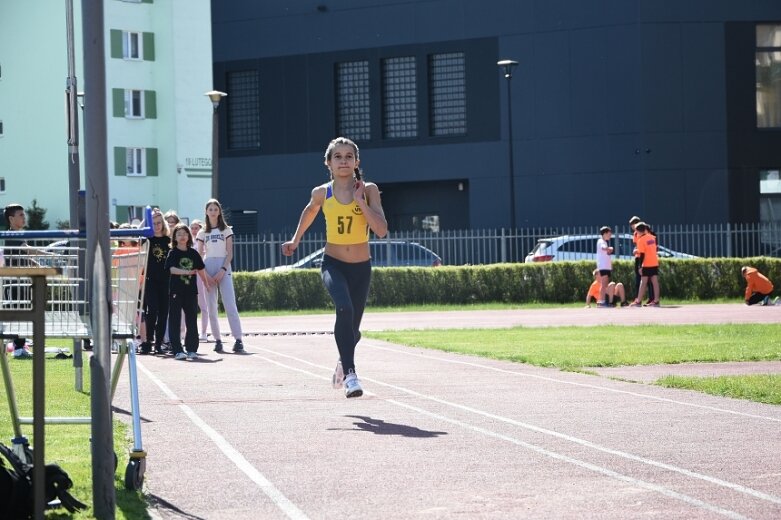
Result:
<point x="358" y="174"/>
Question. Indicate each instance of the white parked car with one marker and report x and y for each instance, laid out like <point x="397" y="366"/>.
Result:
<point x="584" y="247"/>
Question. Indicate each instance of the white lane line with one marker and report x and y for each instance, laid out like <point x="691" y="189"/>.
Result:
<point x="276" y="496"/>
<point x="575" y="440"/>
<point x="573" y="383"/>
<point x="558" y="456"/>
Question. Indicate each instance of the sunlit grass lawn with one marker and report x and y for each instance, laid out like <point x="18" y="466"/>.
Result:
<point x="579" y="348"/>
<point x="763" y="388"/>
<point x="69" y="445"/>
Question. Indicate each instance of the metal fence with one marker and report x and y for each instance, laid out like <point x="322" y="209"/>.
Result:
<point x="491" y="246"/>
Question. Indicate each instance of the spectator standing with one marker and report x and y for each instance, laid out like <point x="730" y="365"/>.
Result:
<point x="195" y="227"/>
<point x="215" y="244"/>
<point x="758" y="286"/>
<point x="649" y="264"/>
<point x="604" y="264"/>
<point x="184" y="265"/>
<point x="638" y="264"/>
<point x="156" y="285"/>
<point x="172" y="219"/>
<point x="14" y="252"/>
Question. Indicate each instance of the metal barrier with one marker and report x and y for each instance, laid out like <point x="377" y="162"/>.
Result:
<point x="492" y="246"/>
<point x="61" y="308"/>
<point x="67" y="313"/>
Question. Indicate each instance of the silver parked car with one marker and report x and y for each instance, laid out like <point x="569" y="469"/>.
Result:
<point x="584" y="247"/>
<point x="384" y="253"/>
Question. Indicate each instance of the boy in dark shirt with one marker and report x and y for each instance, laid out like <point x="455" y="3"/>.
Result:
<point x="184" y="263"/>
<point x="14" y="252"/>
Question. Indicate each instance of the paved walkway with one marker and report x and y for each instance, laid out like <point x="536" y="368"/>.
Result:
<point x="439" y="435"/>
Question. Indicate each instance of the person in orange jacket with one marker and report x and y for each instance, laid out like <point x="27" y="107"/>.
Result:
<point x="758" y="287"/>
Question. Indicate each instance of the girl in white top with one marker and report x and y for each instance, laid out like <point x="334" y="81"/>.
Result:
<point x="215" y="243"/>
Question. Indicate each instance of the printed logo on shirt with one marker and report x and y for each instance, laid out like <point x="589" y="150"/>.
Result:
<point x="159" y="253"/>
<point x="357" y="210"/>
<point x="216" y="237"/>
<point x="187" y="265"/>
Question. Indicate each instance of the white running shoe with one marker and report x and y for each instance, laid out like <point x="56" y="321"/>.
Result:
<point x="192" y="356"/>
<point x="352" y="387"/>
<point x="203" y="337"/>
<point x="337" y="380"/>
<point x="181" y="356"/>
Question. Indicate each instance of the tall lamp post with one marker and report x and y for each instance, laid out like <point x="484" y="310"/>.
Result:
<point x="508" y="65"/>
<point x="215" y="96"/>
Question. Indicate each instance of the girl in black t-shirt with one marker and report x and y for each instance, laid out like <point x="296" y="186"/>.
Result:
<point x="156" y="285"/>
<point x="184" y="263"/>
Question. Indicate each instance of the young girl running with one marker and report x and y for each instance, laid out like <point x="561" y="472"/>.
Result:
<point x="184" y="263"/>
<point x="215" y="244"/>
<point x="156" y="285"/>
<point x="351" y="208"/>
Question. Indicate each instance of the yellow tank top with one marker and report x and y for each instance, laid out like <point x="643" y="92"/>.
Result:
<point x="344" y="223"/>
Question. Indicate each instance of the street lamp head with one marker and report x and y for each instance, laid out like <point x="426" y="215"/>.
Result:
<point x="215" y="96"/>
<point x="507" y="65"/>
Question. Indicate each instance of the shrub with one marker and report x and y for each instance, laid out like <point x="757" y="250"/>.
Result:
<point x="558" y="282"/>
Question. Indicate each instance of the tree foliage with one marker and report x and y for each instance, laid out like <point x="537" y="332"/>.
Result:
<point x="36" y="216"/>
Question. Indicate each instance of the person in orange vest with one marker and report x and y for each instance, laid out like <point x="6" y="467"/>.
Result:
<point x="758" y="287"/>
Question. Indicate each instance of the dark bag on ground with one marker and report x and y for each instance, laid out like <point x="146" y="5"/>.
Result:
<point x="16" y="487"/>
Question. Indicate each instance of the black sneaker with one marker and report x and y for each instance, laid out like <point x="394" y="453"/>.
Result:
<point x="146" y="348"/>
<point x="218" y="346"/>
<point x="238" y="347"/>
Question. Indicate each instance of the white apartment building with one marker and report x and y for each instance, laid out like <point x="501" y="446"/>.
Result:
<point x="158" y="66"/>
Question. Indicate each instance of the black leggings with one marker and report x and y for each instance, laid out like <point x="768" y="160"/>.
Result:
<point x="756" y="298"/>
<point x="638" y="264"/>
<point x="156" y="310"/>
<point x="348" y="285"/>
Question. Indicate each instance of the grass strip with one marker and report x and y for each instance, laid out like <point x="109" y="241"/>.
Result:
<point x="488" y="306"/>
<point x="763" y="388"/>
<point x="571" y="348"/>
<point x="69" y="445"/>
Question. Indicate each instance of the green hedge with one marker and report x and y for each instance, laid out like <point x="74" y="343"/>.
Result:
<point x="559" y="282"/>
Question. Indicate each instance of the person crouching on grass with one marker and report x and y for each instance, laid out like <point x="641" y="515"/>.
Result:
<point x="758" y="287"/>
<point x="184" y="263"/>
<point x="614" y="290"/>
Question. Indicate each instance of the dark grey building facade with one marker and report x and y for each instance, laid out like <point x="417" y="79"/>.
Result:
<point x="670" y="109"/>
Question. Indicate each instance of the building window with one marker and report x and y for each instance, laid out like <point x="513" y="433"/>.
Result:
<point x="352" y="100"/>
<point x="135" y="162"/>
<point x="2" y="184"/>
<point x="243" y="110"/>
<point x="131" y="45"/>
<point x="768" y="72"/>
<point x="1" y="128"/>
<point x="447" y="94"/>
<point x="399" y="98"/>
<point x="770" y="195"/>
<point x="134" y="103"/>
